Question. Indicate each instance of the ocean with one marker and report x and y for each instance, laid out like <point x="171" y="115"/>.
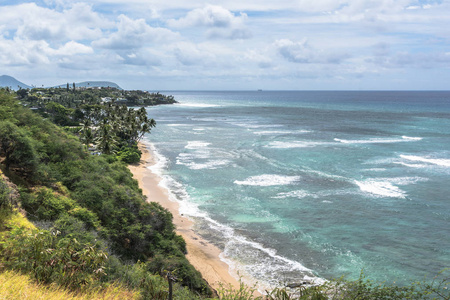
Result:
<point x="295" y="185"/>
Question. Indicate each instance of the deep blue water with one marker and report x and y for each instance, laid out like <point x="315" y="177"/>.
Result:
<point x="313" y="184"/>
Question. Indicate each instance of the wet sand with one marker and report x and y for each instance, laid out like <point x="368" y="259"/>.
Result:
<point x="201" y="254"/>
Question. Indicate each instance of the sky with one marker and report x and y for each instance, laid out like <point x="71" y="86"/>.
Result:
<point x="229" y="45"/>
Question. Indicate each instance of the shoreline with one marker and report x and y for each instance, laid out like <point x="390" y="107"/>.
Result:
<point x="203" y="255"/>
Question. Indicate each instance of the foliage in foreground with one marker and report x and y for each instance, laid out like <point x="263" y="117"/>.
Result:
<point x="16" y="286"/>
<point x="340" y="289"/>
<point x="50" y="259"/>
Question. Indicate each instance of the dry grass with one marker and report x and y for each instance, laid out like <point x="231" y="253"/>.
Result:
<point x="15" y="218"/>
<point x="16" y="286"/>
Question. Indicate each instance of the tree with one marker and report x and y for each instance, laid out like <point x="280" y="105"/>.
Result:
<point x="16" y="147"/>
<point x="22" y="93"/>
<point x="87" y="136"/>
<point x="106" y="140"/>
<point x="59" y="113"/>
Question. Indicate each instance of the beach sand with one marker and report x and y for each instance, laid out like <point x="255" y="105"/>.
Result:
<point x="201" y="254"/>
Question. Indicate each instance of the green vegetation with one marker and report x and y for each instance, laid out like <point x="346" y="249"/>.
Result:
<point x="93" y="233"/>
<point x="99" y="116"/>
<point x="16" y="286"/>
<point x="96" y="222"/>
<point x="73" y="98"/>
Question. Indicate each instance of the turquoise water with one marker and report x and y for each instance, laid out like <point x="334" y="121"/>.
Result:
<point x="294" y="185"/>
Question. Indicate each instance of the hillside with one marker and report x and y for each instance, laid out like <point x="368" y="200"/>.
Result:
<point x="12" y="83"/>
<point x="92" y="84"/>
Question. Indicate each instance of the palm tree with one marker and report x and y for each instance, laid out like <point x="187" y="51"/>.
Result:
<point x="87" y="136"/>
<point x="106" y="140"/>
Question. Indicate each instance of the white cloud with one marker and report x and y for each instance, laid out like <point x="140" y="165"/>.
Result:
<point x="261" y="59"/>
<point x="210" y="16"/>
<point x="33" y="22"/>
<point x="72" y="48"/>
<point x="231" y="41"/>
<point x="190" y="54"/>
<point x="298" y="52"/>
<point x="221" y="23"/>
<point x="23" y="52"/>
<point x="142" y="57"/>
<point x="303" y="52"/>
<point x="132" y="34"/>
<point x="30" y="52"/>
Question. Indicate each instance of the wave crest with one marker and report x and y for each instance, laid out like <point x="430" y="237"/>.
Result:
<point x="268" y="180"/>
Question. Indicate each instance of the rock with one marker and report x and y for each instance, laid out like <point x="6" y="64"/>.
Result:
<point x="298" y="284"/>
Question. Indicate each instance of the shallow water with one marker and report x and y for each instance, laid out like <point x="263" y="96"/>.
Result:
<point x="295" y="185"/>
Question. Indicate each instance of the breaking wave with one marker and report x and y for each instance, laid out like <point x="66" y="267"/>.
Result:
<point x="268" y="180"/>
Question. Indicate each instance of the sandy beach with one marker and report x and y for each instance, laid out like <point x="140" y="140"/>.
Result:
<point x="201" y="254"/>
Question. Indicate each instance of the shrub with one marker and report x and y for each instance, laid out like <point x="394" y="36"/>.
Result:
<point x="5" y="201"/>
<point x="45" y="204"/>
<point x="49" y="258"/>
<point x="187" y="275"/>
<point x="130" y="155"/>
<point x="17" y="147"/>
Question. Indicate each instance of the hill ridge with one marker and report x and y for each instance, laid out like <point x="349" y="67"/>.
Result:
<point x="12" y="83"/>
<point x="92" y="83"/>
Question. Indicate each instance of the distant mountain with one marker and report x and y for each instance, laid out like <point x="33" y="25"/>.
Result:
<point x="87" y="84"/>
<point x="12" y="83"/>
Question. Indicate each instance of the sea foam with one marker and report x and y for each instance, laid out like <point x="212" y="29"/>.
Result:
<point x="295" y="144"/>
<point x="196" y="145"/>
<point x="294" y="194"/>
<point x="443" y="162"/>
<point x="210" y="165"/>
<point x="237" y="248"/>
<point x="379" y="140"/>
<point x="197" y="105"/>
<point x="380" y="188"/>
<point x="275" y="132"/>
<point x="268" y="180"/>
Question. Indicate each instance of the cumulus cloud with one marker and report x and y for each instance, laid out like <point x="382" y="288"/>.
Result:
<point x="190" y="54"/>
<point x="142" y="57"/>
<point x="405" y="59"/>
<point x="29" y="21"/>
<point x="263" y="61"/>
<point x="221" y="23"/>
<point x="190" y="39"/>
<point x="73" y="48"/>
<point x="21" y="52"/>
<point x="298" y="52"/>
<point x="26" y="52"/>
<point x="302" y="52"/>
<point x="132" y="34"/>
<point x="211" y="15"/>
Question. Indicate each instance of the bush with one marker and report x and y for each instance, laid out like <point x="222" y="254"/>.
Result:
<point x="130" y="155"/>
<point x="17" y="147"/>
<point x="74" y="228"/>
<point x="187" y="275"/>
<point x="5" y="201"/>
<point x="49" y="258"/>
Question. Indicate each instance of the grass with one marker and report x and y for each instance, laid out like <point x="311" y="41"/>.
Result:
<point x="10" y="219"/>
<point x="17" y="286"/>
